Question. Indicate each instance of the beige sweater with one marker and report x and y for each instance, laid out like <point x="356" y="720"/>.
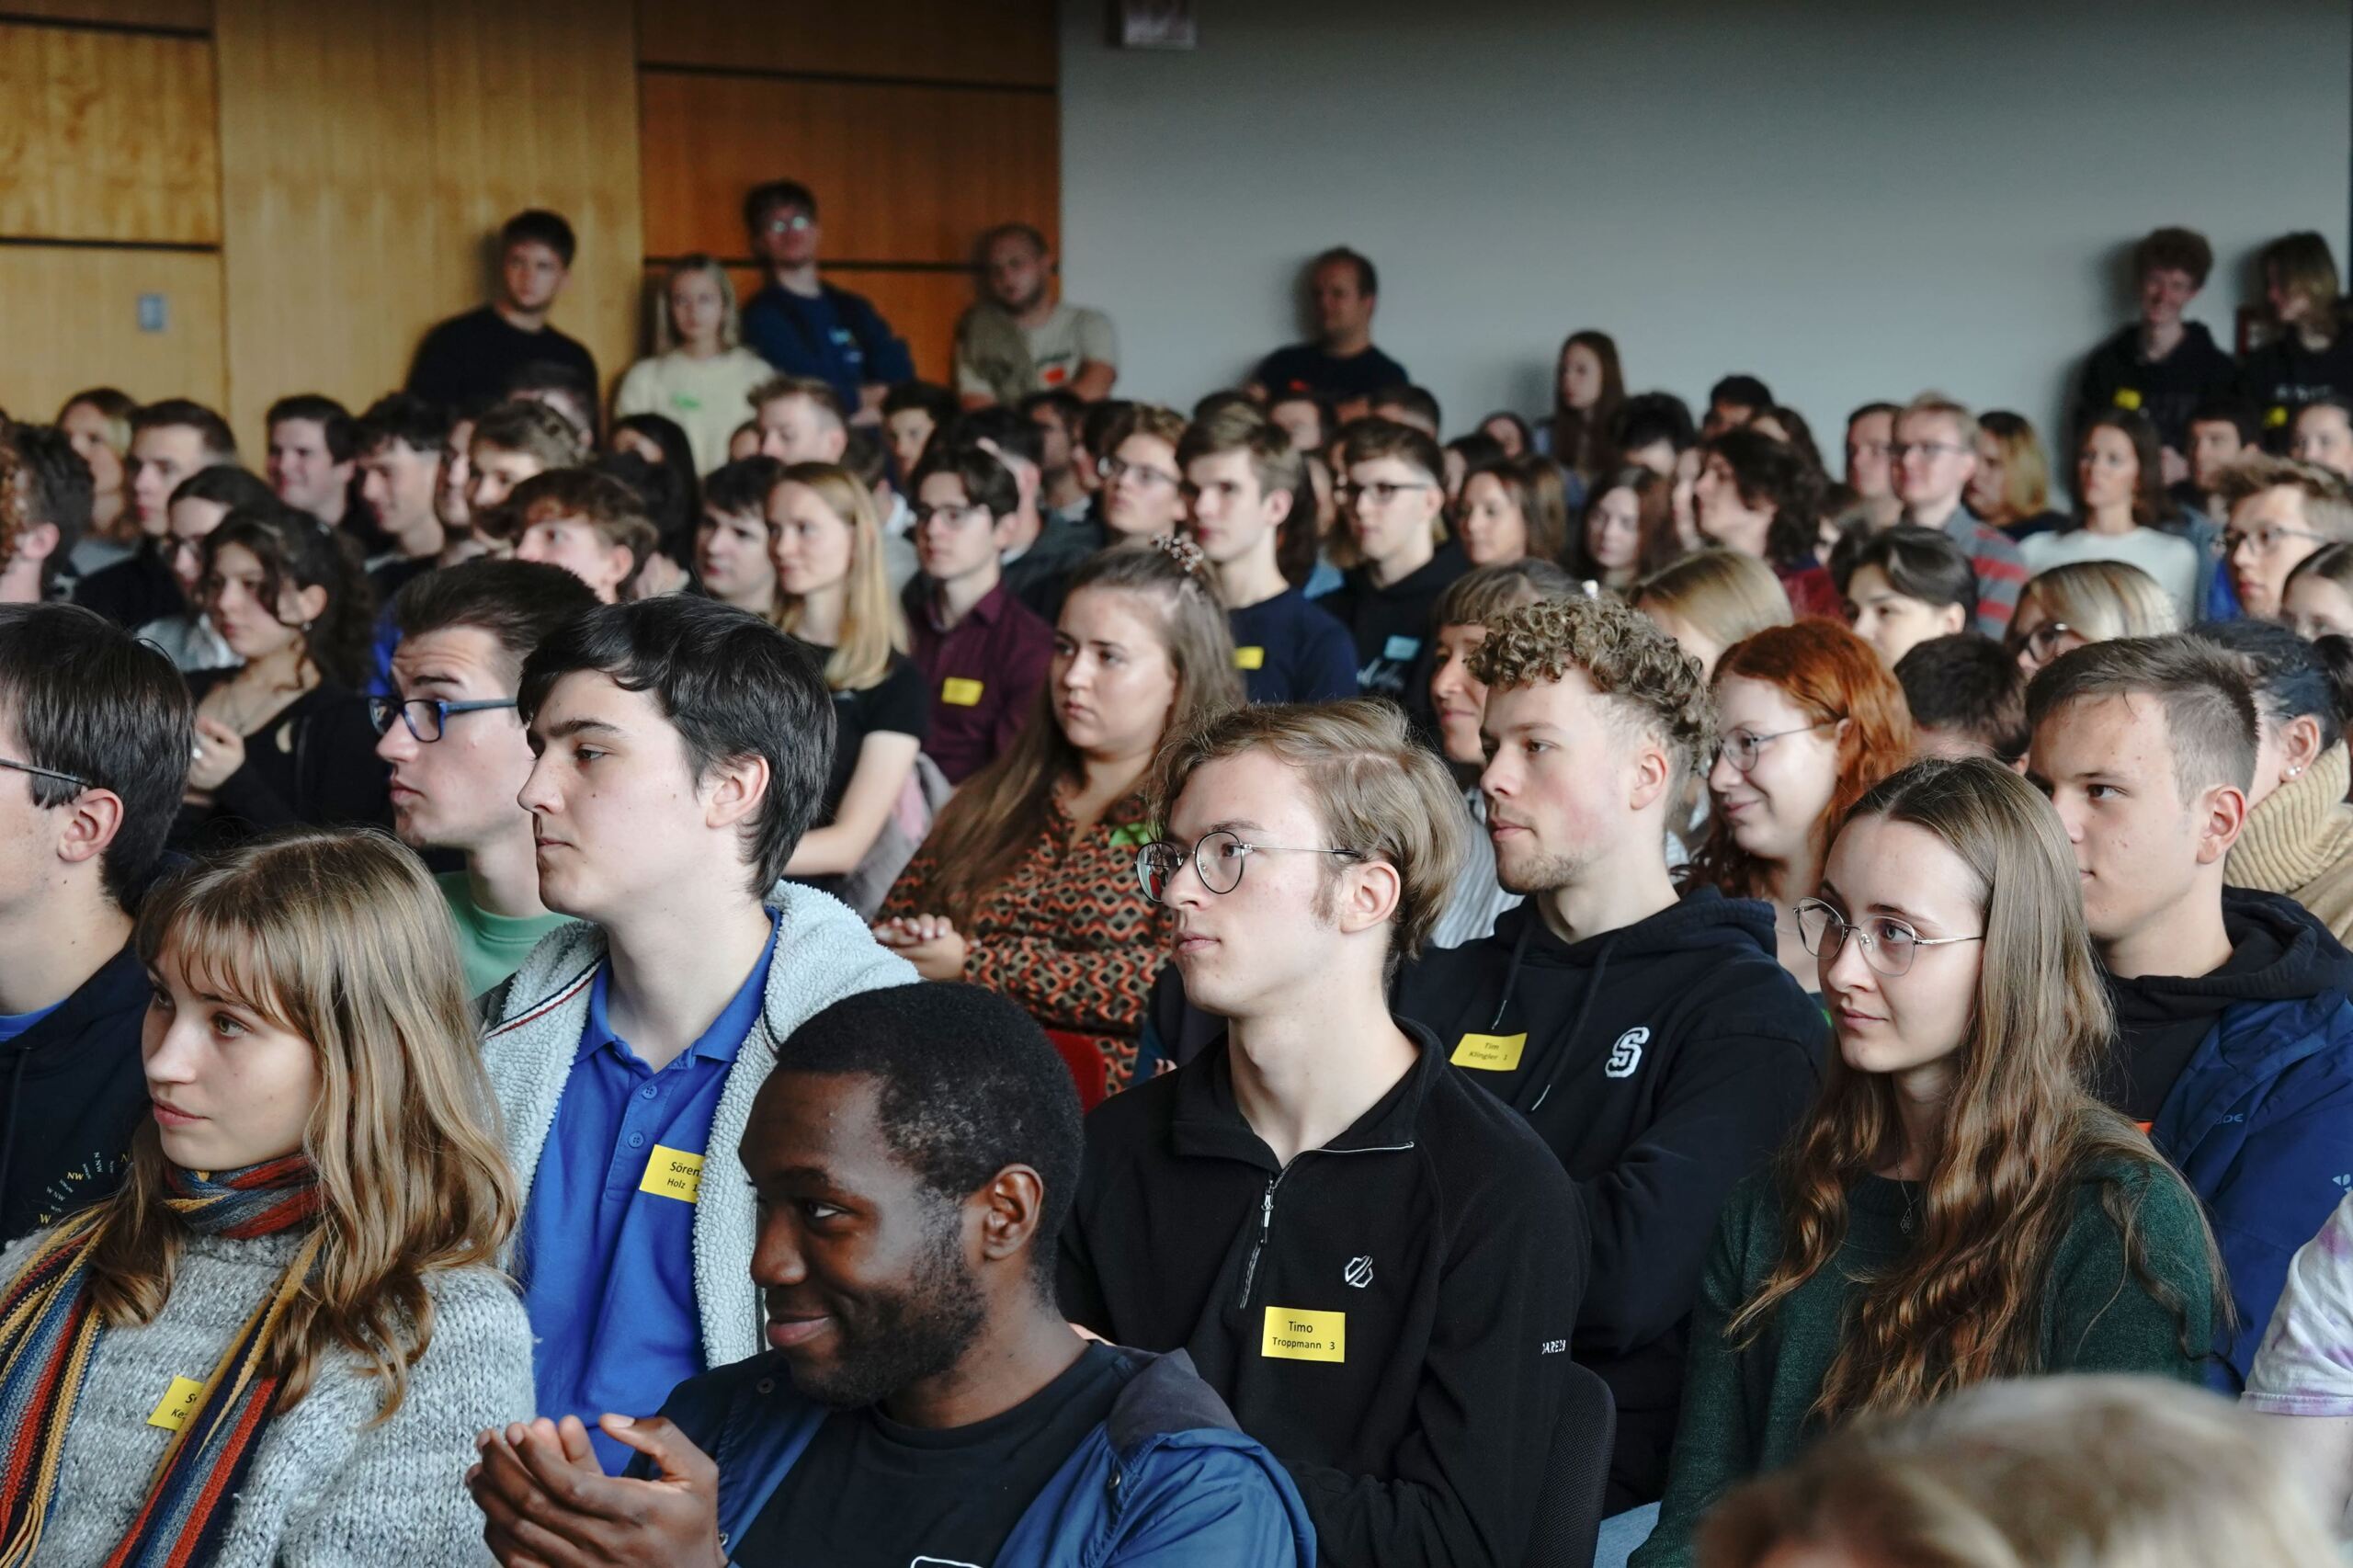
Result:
<point x="2300" y="842"/>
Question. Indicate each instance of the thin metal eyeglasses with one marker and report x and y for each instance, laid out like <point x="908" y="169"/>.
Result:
<point x="1888" y="944"/>
<point x="428" y="718"/>
<point x="2265" y="541"/>
<point x="1113" y="469"/>
<point x="76" y="779"/>
<point x="1742" y="748"/>
<point x="1218" y="857"/>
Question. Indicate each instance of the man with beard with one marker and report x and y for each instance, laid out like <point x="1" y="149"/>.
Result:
<point x="914" y="1153"/>
<point x="1018" y="339"/>
<point x="1650" y="1040"/>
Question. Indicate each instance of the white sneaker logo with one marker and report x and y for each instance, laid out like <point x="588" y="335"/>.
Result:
<point x="1358" y="1272"/>
<point x="1627" y="1054"/>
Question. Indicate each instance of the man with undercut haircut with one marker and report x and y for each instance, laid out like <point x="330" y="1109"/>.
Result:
<point x="2234" y="1008"/>
<point x="1374" y="1262"/>
<point x="921" y="1400"/>
<point x="399" y="446"/>
<point x="1651" y="1040"/>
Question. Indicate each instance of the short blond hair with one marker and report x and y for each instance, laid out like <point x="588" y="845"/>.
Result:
<point x="2328" y="498"/>
<point x="2085" y="1472"/>
<point x="1378" y="791"/>
<point x="2100" y="601"/>
<point x="1729" y="595"/>
<point x="1937" y="405"/>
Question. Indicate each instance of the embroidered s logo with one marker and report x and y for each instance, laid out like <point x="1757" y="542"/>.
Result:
<point x="1627" y="1054"/>
<point x="1358" y="1272"/>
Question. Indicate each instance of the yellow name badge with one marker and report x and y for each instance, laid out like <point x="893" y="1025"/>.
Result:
<point x="961" y="691"/>
<point x="2127" y="398"/>
<point x="1489" y="1052"/>
<point x="672" y="1172"/>
<point x="1249" y="658"/>
<point x="1294" y="1333"/>
<point x="171" y="1412"/>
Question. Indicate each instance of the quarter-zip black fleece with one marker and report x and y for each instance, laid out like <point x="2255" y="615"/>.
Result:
<point x="1660" y="1062"/>
<point x="1389" y="1314"/>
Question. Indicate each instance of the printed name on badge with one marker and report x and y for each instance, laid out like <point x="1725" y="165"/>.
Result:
<point x="1489" y="1052"/>
<point x="673" y="1173"/>
<point x="171" y="1412"/>
<point x="1298" y="1333"/>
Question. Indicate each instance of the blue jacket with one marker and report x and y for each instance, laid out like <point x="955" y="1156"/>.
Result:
<point x="1167" y="1482"/>
<point x="2261" y="1119"/>
<point x="839" y="337"/>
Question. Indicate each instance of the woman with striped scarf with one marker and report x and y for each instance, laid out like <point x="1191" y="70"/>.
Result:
<point x="275" y="1344"/>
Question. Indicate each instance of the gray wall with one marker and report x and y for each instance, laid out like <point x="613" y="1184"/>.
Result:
<point x="1852" y="200"/>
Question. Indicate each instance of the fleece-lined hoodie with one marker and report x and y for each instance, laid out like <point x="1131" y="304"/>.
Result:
<point x="1660" y="1062"/>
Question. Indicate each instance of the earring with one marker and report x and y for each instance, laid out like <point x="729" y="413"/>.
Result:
<point x="2295" y="769"/>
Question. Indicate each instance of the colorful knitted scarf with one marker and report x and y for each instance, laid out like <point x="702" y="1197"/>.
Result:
<point x="47" y="1333"/>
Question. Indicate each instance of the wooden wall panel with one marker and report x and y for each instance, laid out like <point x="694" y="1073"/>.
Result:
<point x="901" y="173"/>
<point x="369" y="153"/>
<point x="965" y="41"/>
<point x="107" y="135"/>
<point x="70" y="319"/>
<point x="192" y="14"/>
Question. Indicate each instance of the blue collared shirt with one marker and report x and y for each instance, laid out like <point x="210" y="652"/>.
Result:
<point x="607" y="1254"/>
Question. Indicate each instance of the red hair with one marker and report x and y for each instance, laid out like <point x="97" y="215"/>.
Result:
<point x="1829" y="673"/>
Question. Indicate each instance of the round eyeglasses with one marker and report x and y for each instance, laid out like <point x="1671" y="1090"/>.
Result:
<point x="426" y="717"/>
<point x="1743" y="747"/>
<point x="1219" y="858"/>
<point x="1888" y="944"/>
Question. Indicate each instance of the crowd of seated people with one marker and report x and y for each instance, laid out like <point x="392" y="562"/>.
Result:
<point x="807" y="965"/>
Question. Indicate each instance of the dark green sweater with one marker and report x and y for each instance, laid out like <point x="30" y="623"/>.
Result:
<point x="1745" y="1410"/>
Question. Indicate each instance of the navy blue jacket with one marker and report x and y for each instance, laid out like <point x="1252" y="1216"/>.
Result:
<point x="2261" y="1119"/>
<point x="1167" y="1482"/>
<point x="859" y="350"/>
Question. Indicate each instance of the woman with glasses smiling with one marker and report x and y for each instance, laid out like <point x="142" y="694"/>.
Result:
<point x="1810" y="718"/>
<point x="1957" y="1207"/>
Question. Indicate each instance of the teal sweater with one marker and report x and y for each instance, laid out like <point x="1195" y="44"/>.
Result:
<point x="1744" y="1409"/>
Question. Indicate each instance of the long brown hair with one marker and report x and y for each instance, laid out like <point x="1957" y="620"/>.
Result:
<point x="1828" y="674"/>
<point x="2022" y="1132"/>
<point x="1585" y="440"/>
<point x="997" y="816"/>
<point x="342" y="939"/>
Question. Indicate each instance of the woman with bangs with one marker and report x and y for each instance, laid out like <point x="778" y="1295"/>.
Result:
<point x="1027" y="883"/>
<point x="276" y="1343"/>
<point x="1810" y="718"/>
<point x="1957" y="1207"/>
<point x="833" y="596"/>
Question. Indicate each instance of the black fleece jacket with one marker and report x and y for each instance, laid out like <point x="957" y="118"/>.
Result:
<point x="1390" y="1313"/>
<point x="72" y="1091"/>
<point x="1661" y="1063"/>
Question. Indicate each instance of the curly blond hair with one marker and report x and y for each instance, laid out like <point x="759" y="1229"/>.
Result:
<point x="1621" y="653"/>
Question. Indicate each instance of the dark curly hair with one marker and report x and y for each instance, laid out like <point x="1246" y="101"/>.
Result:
<point x="1772" y="473"/>
<point x="295" y="550"/>
<point x="1622" y="655"/>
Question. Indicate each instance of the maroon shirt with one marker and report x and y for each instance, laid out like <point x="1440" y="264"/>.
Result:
<point x="984" y="675"/>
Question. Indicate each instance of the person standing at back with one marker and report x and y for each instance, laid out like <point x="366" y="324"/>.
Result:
<point x="2160" y="366"/>
<point x="1016" y="340"/>
<point x="470" y="360"/>
<point x="805" y="326"/>
<point x="1341" y="364"/>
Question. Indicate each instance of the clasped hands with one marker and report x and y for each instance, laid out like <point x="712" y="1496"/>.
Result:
<point x="547" y="1503"/>
<point x="930" y="942"/>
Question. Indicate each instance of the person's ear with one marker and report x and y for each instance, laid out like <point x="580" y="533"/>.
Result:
<point x="93" y="819"/>
<point x="1009" y="1208"/>
<point x="2222" y="818"/>
<point x="2299" y="745"/>
<point x="621" y="564"/>
<point x="1275" y="507"/>
<point x="1651" y="774"/>
<point x="1953" y="618"/>
<point x="737" y="787"/>
<point x="309" y="604"/>
<point x="1369" y="894"/>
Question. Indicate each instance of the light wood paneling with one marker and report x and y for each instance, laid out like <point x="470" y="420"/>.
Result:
<point x="196" y="14"/>
<point x="961" y="40"/>
<point x="921" y="307"/>
<point x="70" y="318"/>
<point x="371" y="153"/>
<point x="901" y="174"/>
<point x="107" y="135"/>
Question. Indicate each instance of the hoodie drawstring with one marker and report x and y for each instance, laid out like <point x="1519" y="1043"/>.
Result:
<point x="1584" y="1003"/>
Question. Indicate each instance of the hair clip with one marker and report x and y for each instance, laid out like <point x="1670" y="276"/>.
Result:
<point x="1185" y="553"/>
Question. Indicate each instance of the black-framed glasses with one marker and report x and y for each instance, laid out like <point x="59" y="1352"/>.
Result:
<point x="2048" y="640"/>
<point x="2265" y="539"/>
<point x="426" y="717"/>
<point x="73" y="779"/>
<point x="1218" y="857"/>
<point x="1743" y="747"/>
<point x="1889" y="944"/>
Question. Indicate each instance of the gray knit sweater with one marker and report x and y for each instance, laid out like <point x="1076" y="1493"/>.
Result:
<point x="325" y="1490"/>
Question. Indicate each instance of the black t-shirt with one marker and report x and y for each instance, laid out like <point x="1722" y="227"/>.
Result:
<point x="1305" y="368"/>
<point x="868" y="1493"/>
<point x="472" y="359"/>
<point x="900" y="704"/>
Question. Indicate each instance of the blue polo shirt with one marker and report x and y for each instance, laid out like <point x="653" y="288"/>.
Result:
<point x="607" y="1252"/>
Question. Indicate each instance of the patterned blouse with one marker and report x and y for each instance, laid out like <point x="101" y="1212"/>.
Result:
<point x="1068" y="935"/>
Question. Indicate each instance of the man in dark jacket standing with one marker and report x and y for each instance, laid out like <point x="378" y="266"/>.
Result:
<point x="2160" y="366"/>
<point x="1372" y="1262"/>
<point x="805" y="326"/>
<point x="94" y="754"/>
<point x="1652" y="1041"/>
<point x="2235" y="1009"/>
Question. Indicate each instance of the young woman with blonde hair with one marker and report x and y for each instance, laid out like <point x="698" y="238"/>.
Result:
<point x="2011" y="489"/>
<point x="701" y="375"/>
<point x="274" y="1346"/>
<point x="834" y="594"/>
<point x="1709" y="599"/>
<point x="1957" y="1207"/>
<point x="2087" y="601"/>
